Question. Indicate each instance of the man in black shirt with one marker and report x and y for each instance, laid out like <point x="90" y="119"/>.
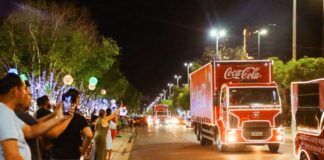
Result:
<point x="74" y="141"/>
<point x="44" y="106"/>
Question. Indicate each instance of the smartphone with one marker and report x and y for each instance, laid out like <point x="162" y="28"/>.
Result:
<point x="66" y="105"/>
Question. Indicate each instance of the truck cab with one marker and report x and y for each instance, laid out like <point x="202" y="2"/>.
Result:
<point x="308" y="119"/>
<point x="251" y="114"/>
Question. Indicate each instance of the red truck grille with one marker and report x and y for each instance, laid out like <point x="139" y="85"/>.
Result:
<point x="256" y="130"/>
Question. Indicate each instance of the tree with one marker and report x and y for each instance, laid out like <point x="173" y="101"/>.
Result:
<point x="304" y="69"/>
<point x="55" y="38"/>
<point x="184" y="98"/>
<point x="132" y="98"/>
<point x="233" y="53"/>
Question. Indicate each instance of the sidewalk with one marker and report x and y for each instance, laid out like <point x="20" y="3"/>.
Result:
<point x="288" y="136"/>
<point x="122" y="144"/>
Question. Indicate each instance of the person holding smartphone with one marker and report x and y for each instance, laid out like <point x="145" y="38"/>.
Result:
<point x="13" y="131"/>
<point x="74" y="141"/>
<point x="21" y="111"/>
<point x="101" y="135"/>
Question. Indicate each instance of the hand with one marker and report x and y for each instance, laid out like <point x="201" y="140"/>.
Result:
<point x="72" y="110"/>
<point x="58" y="112"/>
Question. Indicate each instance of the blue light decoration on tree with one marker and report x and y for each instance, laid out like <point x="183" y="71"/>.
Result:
<point x="13" y="70"/>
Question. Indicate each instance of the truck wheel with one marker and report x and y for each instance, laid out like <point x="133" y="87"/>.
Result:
<point x="219" y="146"/>
<point x="209" y="142"/>
<point x="198" y="134"/>
<point x="196" y="129"/>
<point x="274" y="147"/>
<point x="203" y="141"/>
<point x="303" y="157"/>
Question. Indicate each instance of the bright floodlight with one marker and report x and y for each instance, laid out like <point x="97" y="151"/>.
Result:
<point x="263" y="31"/>
<point x="213" y="33"/>
<point x="217" y="33"/>
<point x="222" y="33"/>
<point x="188" y="64"/>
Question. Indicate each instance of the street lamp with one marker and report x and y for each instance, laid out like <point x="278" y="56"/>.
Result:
<point x="218" y="34"/>
<point x="161" y="96"/>
<point x="164" y="93"/>
<point x="188" y="65"/>
<point x="260" y="32"/>
<point x="177" y="77"/>
<point x="170" y="86"/>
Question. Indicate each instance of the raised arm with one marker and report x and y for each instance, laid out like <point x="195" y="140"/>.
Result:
<point x="113" y="115"/>
<point x="42" y="127"/>
<point x="59" y="128"/>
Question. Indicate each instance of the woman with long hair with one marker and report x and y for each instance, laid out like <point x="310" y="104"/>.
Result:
<point x="102" y="127"/>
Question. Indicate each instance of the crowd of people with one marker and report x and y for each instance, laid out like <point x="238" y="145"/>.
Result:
<point x="50" y="134"/>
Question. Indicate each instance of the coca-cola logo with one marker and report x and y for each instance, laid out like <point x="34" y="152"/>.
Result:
<point x="246" y="73"/>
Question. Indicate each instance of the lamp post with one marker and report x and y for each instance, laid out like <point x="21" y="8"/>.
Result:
<point x="170" y="87"/>
<point x="260" y="32"/>
<point x="161" y="96"/>
<point x="164" y="94"/>
<point x="188" y="65"/>
<point x="217" y="34"/>
<point x="177" y="77"/>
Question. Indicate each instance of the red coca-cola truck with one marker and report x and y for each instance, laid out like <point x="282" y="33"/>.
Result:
<point x="307" y="102"/>
<point x="162" y="114"/>
<point x="236" y="103"/>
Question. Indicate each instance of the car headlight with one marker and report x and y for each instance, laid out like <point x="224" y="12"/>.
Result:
<point x="175" y="121"/>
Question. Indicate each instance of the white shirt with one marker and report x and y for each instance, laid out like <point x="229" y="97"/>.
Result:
<point x="11" y="128"/>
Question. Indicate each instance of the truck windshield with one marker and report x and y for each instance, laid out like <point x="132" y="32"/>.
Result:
<point x="253" y="97"/>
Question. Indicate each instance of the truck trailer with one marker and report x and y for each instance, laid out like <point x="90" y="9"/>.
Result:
<point x="236" y="103"/>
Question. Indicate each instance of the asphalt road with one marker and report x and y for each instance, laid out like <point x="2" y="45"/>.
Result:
<point x="179" y="143"/>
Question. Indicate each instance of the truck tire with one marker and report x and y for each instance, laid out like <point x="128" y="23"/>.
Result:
<point x="198" y="135"/>
<point x="219" y="146"/>
<point x="274" y="147"/>
<point x="303" y="157"/>
<point x="203" y="141"/>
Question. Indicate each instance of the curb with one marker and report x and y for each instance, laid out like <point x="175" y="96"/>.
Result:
<point x="123" y="147"/>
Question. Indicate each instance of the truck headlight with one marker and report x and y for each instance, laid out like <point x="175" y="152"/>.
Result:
<point x="157" y="121"/>
<point x="231" y="135"/>
<point x="280" y="134"/>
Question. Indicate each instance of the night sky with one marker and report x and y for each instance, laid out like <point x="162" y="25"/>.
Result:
<point x="157" y="36"/>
